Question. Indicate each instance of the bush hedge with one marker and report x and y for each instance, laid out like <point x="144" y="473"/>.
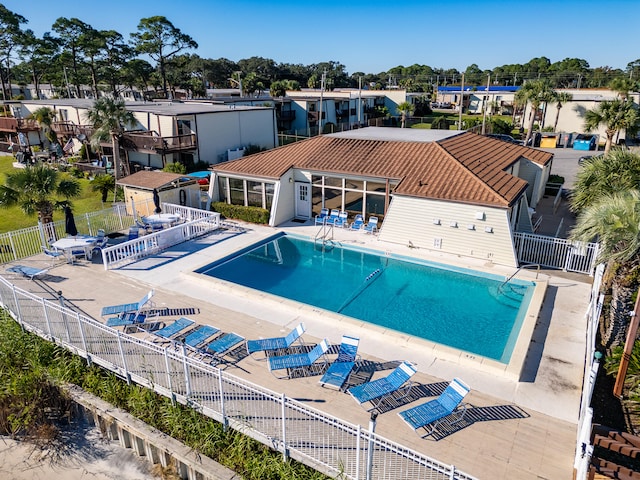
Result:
<point x="239" y="212"/>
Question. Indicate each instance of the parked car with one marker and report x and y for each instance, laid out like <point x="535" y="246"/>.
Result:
<point x="585" y="142"/>
<point x="505" y="138"/>
<point x="586" y="158"/>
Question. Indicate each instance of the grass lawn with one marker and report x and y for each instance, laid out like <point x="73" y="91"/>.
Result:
<point x="14" y="218"/>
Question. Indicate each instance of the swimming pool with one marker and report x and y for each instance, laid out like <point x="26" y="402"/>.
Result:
<point x="457" y="307"/>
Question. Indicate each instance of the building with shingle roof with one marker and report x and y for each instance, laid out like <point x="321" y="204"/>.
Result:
<point x="457" y="192"/>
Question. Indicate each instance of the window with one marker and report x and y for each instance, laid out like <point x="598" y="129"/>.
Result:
<point x="236" y="191"/>
<point x="254" y="194"/>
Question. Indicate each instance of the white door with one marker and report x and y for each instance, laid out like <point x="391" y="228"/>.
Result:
<point x="303" y="200"/>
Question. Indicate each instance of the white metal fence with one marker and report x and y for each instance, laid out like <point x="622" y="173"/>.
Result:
<point x="135" y="249"/>
<point x="26" y="242"/>
<point x="584" y="449"/>
<point x="321" y="441"/>
<point x="552" y="252"/>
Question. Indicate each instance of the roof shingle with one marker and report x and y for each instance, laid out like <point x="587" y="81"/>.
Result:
<point x="466" y="168"/>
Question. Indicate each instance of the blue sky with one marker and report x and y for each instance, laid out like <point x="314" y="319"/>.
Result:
<point x="373" y="36"/>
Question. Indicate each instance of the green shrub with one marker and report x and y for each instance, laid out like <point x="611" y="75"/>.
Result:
<point x="440" y="123"/>
<point x="76" y="172"/>
<point x="175" y="168"/>
<point x="500" y="126"/>
<point x="240" y="212"/>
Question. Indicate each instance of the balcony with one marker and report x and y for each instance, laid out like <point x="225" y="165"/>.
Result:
<point x="287" y="115"/>
<point x="152" y="143"/>
<point x="69" y="129"/>
<point x="11" y="124"/>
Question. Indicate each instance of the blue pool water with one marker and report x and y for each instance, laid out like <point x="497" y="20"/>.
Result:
<point x="455" y="307"/>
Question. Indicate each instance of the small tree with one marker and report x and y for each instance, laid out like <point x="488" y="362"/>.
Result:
<point x="175" y="167"/>
<point x="613" y="115"/>
<point x="103" y="184"/>
<point x="38" y="190"/>
<point x="405" y="109"/>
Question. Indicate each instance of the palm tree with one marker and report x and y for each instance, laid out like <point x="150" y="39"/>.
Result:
<point x="405" y="109"/>
<point x="38" y="190"/>
<point x="534" y="92"/>
<point x="617" y="171"/>
<point x="103" y="184"/>
<point x="45" y="117"/>
<point x="561" y="98"/>
<point x="614" y="116"/>
<point x="622" y="86"/>
<point x="614" y="219"/>
<point x="109" y="117"/>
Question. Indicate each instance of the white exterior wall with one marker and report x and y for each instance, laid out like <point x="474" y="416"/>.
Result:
<point x="411" y="219"/>
<point x="220" y="131"/>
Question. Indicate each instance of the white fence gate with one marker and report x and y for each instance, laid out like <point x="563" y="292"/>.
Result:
<point x="552" y="252"/>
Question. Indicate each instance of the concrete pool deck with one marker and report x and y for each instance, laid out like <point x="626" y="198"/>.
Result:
<point x="523" y="429"/>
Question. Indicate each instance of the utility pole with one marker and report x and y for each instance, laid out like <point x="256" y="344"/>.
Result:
<point x="484" y="113"/>
<point x="359" y="102"/>
<point x="461" y="102"/>
<point x="322" y="81"/>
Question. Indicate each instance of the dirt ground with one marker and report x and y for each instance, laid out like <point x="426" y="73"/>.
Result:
<point x="84" y="455"/>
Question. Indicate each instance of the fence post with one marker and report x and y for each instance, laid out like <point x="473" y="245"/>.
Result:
<point x="452" y="472"/>
<point x="124" y="359"/>
<point x="168" y="367"/>
<point x="359" y="434"/>
<point x="225" y="422"/>
<point x="84" y="342"/>
<point x="19" y="314"/>
<point x="285" y="452"/>
<point x="187" y="373"/>
<point x="13" y="247"/>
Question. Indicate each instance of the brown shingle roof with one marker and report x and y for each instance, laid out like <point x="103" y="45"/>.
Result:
<point x="465" y="168"/>
<point x="149" y="180"/>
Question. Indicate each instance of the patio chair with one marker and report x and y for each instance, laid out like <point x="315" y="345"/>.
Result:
<point x="101" y="242"/>
<point x="127" y="307"/>
<point x="134" y="232"/>
<point x="53" y="254"/>
<point x="342" y="220"/>
<point x="371" y="226"/>
<point x="333" y="216"/>
<point x="28" y="272"/>
<point x="338" y="373"/>
<point x="358" y="223"/>
<point x="296" y="363"/>
<point x="222" y="346"/>
<point x="320" y="219"/>
<point x="447" y="406"/>
<point x="172" y="330"/>
<point x="375" y="391"/>
<point x="276" y="343"/>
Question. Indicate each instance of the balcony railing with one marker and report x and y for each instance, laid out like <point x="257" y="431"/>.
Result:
<point x="11" y="124"/>
<point x="70" y="129"/>
<point x="150" y="142"/>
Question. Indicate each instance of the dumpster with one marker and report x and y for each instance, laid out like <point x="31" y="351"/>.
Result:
<point x="548" y="141"/>
<point x="566" y="140"/>
<point x="585" y="142"/>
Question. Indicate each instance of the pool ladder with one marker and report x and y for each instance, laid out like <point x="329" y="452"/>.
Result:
<point x="521" y="267"/>
<point x="325" y="233"/>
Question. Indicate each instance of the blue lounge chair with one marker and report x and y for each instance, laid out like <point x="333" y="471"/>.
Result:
<point x="430" y="414"/>
<point x="276" y="343"/>
<point x="371" y="226"/>
<point x="358" y="223"/>
<point x="127" y="307"/>
<point x="342" y="220"/>
<point x="324" y="213"/>
<point x="199" y="335"/>
<point x="29" y="272"/>
<point x="172" y="330"/>
<point x="297" y="362"/>
<point x="338" y="373"/>
<point x="221" y="346"/>
<point x="333" y="216"/>
<point x="375" y="391"/>
<point x="127" y="313"/>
